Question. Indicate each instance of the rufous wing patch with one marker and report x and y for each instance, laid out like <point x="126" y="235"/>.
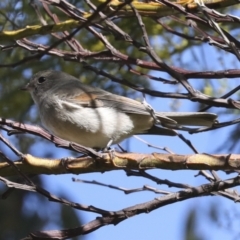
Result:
<point x="88" y="100"/>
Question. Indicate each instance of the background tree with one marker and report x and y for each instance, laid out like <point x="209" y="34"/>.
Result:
<point x="183" y="55"/>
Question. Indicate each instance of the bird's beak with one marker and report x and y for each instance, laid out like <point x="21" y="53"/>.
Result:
<point x="25" y="88"/>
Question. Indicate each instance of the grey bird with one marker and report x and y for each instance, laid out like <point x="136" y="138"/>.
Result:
<point x="96" y="118"/>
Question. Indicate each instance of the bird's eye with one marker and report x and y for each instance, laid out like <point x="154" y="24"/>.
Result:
<point x="41" y="80"/>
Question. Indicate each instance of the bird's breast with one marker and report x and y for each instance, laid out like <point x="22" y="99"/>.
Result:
<point x="91" y="127"/>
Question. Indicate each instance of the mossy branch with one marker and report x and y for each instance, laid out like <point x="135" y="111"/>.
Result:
<point x="131" y="161"/>
<point x="144" y="9"/>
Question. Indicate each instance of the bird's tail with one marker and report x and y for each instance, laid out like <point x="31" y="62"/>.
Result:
<point x="188" y="118"/>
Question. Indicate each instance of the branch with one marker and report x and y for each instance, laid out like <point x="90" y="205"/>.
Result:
<point x="115" y="217"/>
<point x="145" y="9"/>
<point x="118" y="161"/>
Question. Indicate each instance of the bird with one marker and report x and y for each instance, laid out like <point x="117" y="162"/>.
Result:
<point x="96" y="118"/>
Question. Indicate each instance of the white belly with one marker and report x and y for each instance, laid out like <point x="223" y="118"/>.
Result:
<point x="91" y="127"/>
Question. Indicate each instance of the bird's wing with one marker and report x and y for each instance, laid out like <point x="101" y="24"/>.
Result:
<point x="92" y="97"/>
<point x="95" y="98"/>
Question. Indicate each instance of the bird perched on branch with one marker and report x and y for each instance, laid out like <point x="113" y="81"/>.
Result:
<point x="96" y="118"/>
